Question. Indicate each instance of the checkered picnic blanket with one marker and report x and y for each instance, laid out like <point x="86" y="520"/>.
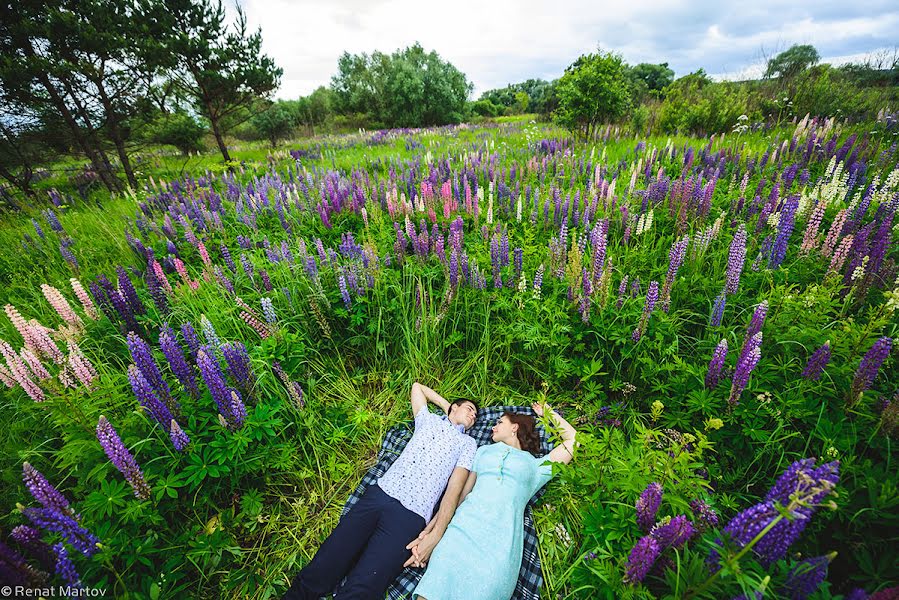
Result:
<point x="530" y="577"/>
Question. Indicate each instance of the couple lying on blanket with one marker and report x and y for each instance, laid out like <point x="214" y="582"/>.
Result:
<point x="393" y="524"/>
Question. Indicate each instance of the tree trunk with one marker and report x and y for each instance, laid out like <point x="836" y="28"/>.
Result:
<point x="22" y="182"/>
<point x="220" y="140"/>
<point x="101" y="154"/>
<point x="116" y="134"/>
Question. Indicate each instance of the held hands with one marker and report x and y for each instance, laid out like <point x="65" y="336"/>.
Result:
<point x="422" y="546"/>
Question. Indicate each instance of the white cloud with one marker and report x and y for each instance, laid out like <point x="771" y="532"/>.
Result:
<point x="495" y="42"/>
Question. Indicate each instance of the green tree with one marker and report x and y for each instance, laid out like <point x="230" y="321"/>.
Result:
<point x="592" y="90"/>
<point x="277" y="121"/>
<point x="792" y="62"/>
<point x="178" y="129"/>
<point x="649" y="80"/>
<point x="223" y="71"/>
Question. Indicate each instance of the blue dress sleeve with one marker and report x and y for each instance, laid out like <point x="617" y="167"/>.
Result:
<point x="543" y="472"/>
<point x="476" y="462"/>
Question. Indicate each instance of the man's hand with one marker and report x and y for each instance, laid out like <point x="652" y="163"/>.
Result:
<point x="421" y="548"/>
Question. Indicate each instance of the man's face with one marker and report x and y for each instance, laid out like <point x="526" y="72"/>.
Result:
<point x="463" y="414"/>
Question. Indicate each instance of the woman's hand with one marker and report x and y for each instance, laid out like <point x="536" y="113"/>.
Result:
<point x="540" y="408"/>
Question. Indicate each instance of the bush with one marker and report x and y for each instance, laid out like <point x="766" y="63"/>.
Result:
<point x="180" y="130"/>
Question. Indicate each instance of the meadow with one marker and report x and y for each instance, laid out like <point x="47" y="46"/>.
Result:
<point x="198" y="373"/>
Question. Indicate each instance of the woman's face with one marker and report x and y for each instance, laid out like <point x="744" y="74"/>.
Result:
<point x="504" y="429"/>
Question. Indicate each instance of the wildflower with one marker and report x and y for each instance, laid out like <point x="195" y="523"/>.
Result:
<point x="757" y="321"/>
<point x="177" y="362"/>
<point x="122" y="458"/>
<point x="736" y="258"/>
<point x="64" y="566"/>
<point x="148" y="398"/>
<point x="718" y="310"/>
<point x="748" y="360"/>
<point x="19" y="372"/>
<point x="816" y="362"/>
<point x="642" y="557"/>
<point x="869" y="367"/>
<point x="61" y="305"/>
<point x="673" y="532"/>
<point x="716" y="365"/>
<point x="675" y="260"/>
<point x="805" y="578"/>
<point x="144" y="361"/>
<point x="648" y="505"/>
<point x="714" y="423"/>
<point x="706" y="517"/>
<point x="86" y="303"/>
<point x="652" y="295"/>
<point x="126" y="288"/>
<point x="209" y="332"/>
<point x="238" y="362"/>
<point x="30" y="539"/>
<point x="43" y="491"/>
<point x="215" y="381"/>
<point x="178" y="437"/>
<point x="51" y="520"/>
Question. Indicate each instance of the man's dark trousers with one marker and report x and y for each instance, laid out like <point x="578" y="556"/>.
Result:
<point x="368" y="546"/>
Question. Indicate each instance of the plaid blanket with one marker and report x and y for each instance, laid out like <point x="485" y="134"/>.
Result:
<point x="530" y="577"/>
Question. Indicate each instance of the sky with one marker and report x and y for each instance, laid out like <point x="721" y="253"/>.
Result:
<point x="497" y="42"/>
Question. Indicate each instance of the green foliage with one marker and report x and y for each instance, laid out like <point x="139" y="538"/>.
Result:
<point x="649" y="80"/>
<point x="694" y="104"/>
<point x="793" y="61"/>
<point x="179" y="129"/>
<point x="409" y="88"/>
<point x="593" y="90"/>
<point x="278" y="121"/>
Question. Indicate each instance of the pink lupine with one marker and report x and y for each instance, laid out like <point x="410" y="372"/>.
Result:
<point x="20" y="372"/>
<point x="182" y="271"/>
<point x="204" y="255"/>
<point x="839" y="257"/>
<point x="61" y="305"/>
<point x="255" y="323"/>
<point x="7" y="378"/>
<point x="833" y="234"/>
<point x="160" y="276"/>
<point x="21" y="325"/>
<point x="86" y="303"/>
<point x="34" y="363"/>
<point x="810" y="239"/>
<point x="81" y="366"/>
<point x="44" y="344"/>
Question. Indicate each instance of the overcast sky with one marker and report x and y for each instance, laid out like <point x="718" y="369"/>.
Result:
<point x="495" y="42"/>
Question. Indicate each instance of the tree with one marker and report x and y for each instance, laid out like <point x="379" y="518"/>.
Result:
<point x="592" y="90"/>
<point x="409" y="88"/>
<point x="178" y="129"/>
<point x="650" y="79"/>
<point x="792" y="62"/>
<point x="224" y="72"/>
<point x="277" y="121"/>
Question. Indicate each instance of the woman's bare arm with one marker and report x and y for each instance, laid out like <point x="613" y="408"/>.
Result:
<point x="564" y="452"/>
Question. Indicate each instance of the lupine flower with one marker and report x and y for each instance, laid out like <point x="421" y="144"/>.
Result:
<point x="238" y="361"/>
<point x="344" y="292"/>
<point x="706" y="517"/>
<point x="68" y="255"/>
<point x="268" y="310"/>
<point x="64" y="566"/>
<point x="157" y="292"/>
<point x="784" y="230"/>
<point x="757" y="321"/>
<point x="716" y="365"/>
<point x="43" y="491"/>
<point x="204" y="254"/>
<point x="622" y="290"/>
<point x="675" y="260"/>
<point x="191" y="339"/>
<point x="6" y="377"/>
<point x="538" y="280"/>
<point x="209" y="332"/>
<point x="857" y="594"/>
<point x="215" y="381"/>
<point x="52" y="520"/>
<point x="869" y="367"/>
<point x="810" y="239"/>
<point x="128" y="292"/>
<point x="178" y="437"/>
<point x="266" y="282"/>
<point x="673" y="532"/>
<point x="839" y="257"/>
<point x="37" y="368"/>
<point x="226" y="256"/>
<point x="177" y="362"/>
<point x="648" y="505"/>
<point x="61" y="305"/>
<point x="748" y="360"/>
<point x="161" y="276"/>
<point x="255" y="323"/>
<point x="121" y="458"/>
<point x="816" y="362"/>
<point x="30" y="538"/>
<point x="21" y="326"/>
<point x="143" y="359"/>
<point x="86" y="303"/>
<point x="642" y="557"/>
<point x="238" y="410"/>
<point x="20" y="372"/>
<point x="147" y="397"/>
<point x="807" y="576"/>
<point x="652" y="295"/>
<point x="718" y="310"/>
<point x="834" y="233"/>
<point x="736" y="258"/>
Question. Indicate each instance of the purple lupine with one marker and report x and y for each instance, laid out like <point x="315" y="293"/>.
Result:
<point x="238" y="362"/>
<point x="30" y="539"/>
<point x="538" y="278"/>
<point x="784" y="230"/>
<point x="736" y="258"/>
<point x="652" y="295"/>
<point x="675" y="259"/>
<point x="209" y="333"/>
<point x="247" y="265"/>
<point x="718" y="310"/>
<point x="122" y="458"/>
<point x="266" y="282"/>
<point x="68" y="255"/>
<point x="128" y="292"/>
<point x="622" y="290"/>
<point x="716" y="365"/>
<point x="124" y="311"/>
<point x="706" y="517"/>
<point x="268" y="311"/>
<point x="191" y="339"/>
<point x="52" y="520"/>
<point x="238" y="410"/>
<point x="215" y="381"/>
<point x="454" y="268"/>
<point x="143" y="359"/>
<point x="42" y="490"/>
<point x="806" y="577"/>
<point x="226" y="256"/>
<point x="64" y="566"/>
<point x="344" y="292"/>
<point x="148" y="398"/>
<point x="178" y="437"/>
<point x="816" y="362"/>
<point x="757" y="321"/>
<point x="856" y="594"/>
<point x="673" y="532"/>
<point x="648" y="505"/>
<point x="641" y="559"/>
<point x="177" y="362"/>
<point x="748" y="360"/>
<point x="869" y="367"/>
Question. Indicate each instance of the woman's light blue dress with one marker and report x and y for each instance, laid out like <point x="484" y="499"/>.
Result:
<point x="479" y="556"/>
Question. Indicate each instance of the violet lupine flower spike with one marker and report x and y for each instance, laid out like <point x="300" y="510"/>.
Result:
<point x="869" y="367"/>
<point x="736" y="258"/>
<point x="817" y="362"/>
<point x="143" y="359"/>
<point x="178" y="437"/>
<point x="807" y="576"/>
<point x="122" y="459"/>
<point x="30" y="539"/>
<point x="748" y="360"/>
<point x="718" y="310"/>
<point x="173" y="353"/>
<point x="716" y="365"/>
<point x="642" y="557"/>
<point x="673" y="532"/>
<point x="652" y="296"/>
<point x="648" y="505"/>
<point x="52" y="520"/>
<point x="147" y="397"/>
<point x="43" y="491"/>
<point x="64" y="566"/>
